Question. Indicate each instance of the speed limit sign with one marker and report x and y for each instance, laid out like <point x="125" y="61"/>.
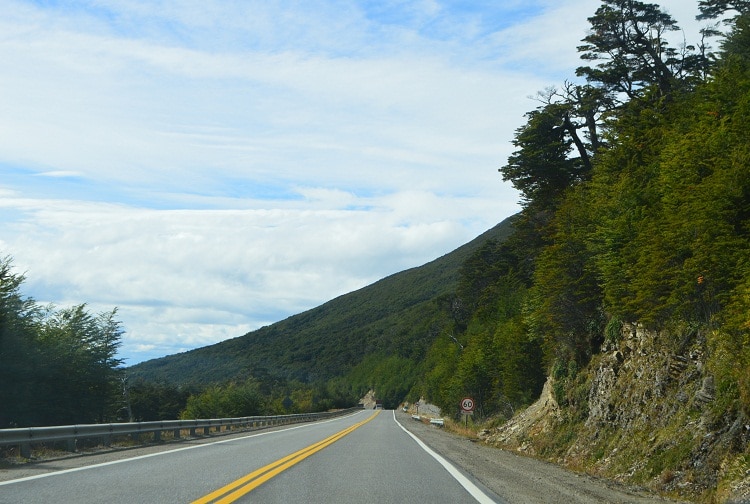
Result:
<point x="467" y="405"/>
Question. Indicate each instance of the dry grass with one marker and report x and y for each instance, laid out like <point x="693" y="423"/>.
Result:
<point x="466" y="429"/>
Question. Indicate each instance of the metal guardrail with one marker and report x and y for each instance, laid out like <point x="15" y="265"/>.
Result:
<point x="440" y="422"/>
<point x="26" y="436"/>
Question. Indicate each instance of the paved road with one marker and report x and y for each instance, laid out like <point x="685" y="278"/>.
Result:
<point x="365" y="457"/>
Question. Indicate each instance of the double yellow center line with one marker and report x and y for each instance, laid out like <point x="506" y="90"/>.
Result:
<point x="246" y="484"/>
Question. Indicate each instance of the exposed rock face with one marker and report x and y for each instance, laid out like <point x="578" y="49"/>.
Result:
<point x="630" y="380"/>
<point x="538" y="418"/>
<point x="425" y="409"/>
<point x="649" y="417"/>
<point x="368" y="401"/>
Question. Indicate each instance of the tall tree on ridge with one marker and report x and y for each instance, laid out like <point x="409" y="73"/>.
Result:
<point x="627" y="39"/>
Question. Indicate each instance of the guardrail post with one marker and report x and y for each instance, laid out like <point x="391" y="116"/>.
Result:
<point x="157" y="436"/>
<point x="25" y="449"/>
<point x="177" y="434"/>
<point x="71" y="445"/>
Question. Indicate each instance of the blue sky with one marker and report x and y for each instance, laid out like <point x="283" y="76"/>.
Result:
<point x="209" y="167"/>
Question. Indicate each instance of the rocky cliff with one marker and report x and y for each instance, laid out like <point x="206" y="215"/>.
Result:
<point x="644" y="412"/>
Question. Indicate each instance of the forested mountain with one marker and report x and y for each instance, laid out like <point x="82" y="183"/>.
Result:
<point x="651" y="221"/>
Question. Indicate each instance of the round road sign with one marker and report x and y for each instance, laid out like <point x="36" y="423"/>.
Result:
<point x="467" y="404"/>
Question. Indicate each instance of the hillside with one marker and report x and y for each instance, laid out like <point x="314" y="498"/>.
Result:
<point x="390" y="317"/>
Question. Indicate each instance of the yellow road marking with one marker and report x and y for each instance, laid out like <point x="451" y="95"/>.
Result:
<point x="246" y="484"/>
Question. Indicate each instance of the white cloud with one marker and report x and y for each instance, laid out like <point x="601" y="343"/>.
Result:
<point x="60" y="174"/>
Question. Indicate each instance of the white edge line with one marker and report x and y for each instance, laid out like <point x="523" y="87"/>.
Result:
<point x="470" y="487"/>
<point x="149" y="455"/>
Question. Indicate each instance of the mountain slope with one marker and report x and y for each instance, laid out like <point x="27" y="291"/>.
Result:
<point x="390" y="317"/>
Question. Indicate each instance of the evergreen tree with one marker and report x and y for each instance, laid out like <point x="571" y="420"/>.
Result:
<point x="19" y="354"/>
<point x="627" y="39"/>
<point x="712" y="9"/>
<point x="541" y="168"/>
<point x="56" y="367"/>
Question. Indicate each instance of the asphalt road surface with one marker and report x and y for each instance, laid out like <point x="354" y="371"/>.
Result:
<point x="370" y="456"/>
<point x="364" y="457"/>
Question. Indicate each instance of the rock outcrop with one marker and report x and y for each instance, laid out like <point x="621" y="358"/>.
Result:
<point x="648" y="416"/>
<point x="538" y="418"/>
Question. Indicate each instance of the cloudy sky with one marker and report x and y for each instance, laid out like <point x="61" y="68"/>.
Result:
<point x="209" y="167"/>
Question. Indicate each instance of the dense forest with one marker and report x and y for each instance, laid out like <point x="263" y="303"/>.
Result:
<point x="637" y="188"/>
<point x="635" y="184"/>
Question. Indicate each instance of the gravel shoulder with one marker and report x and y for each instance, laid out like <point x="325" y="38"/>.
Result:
<point x="520" y="479"/>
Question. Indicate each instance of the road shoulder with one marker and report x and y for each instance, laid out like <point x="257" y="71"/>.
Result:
<point x="519" y="478"/>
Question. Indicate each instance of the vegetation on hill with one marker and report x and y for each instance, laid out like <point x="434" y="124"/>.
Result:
<point x="657" y="230"/>
<point x="637" y="185"/>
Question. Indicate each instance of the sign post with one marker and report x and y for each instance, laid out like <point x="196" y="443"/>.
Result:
<point x="467" y="408"/>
